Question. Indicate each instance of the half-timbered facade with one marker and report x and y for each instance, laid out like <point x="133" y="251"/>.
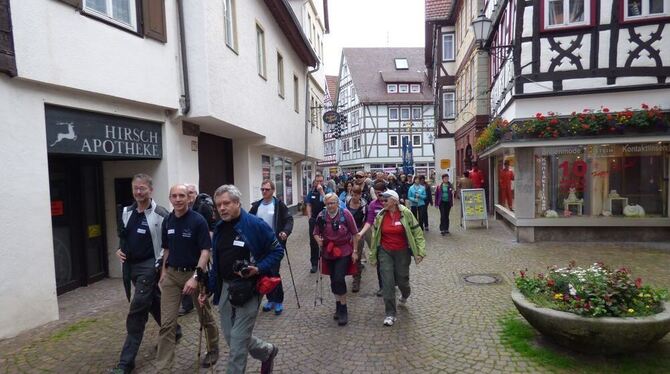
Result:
<point x="385" y="96"/>
<point x="329" y="162"/>
<point x="460" y="76"/>
<point x="571" y="57"/>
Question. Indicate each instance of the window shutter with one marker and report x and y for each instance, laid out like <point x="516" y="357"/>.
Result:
<point x="153" y="13"/>
<point x="74" y="3"/>
<point x="7" y="58"/>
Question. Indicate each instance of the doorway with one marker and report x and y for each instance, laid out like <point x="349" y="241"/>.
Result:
<point x="215" y="162"/>
<point x="77" y="217"/>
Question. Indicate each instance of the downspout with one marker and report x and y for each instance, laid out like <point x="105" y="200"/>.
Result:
<point x="186" y="106"/>
<point x="307" y="108"/>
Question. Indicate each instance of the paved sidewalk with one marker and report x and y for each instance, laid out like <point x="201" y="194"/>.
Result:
<point x="447" y="325"/>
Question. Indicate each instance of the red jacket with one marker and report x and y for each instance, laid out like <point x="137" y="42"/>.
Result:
<point x="477" y="177"/>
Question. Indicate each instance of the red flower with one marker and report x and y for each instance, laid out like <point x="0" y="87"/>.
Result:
<point x="551" y="282"/>
<point x="605" y="110"/>
<point x="645" y="106"/>
<point x="638" y="282"/>
<point x="585" y="126"/>
<point x="574" y="113"/>
<point x="523" y="274"/>
<point x="586" y="110"/>
<point x="538" y="115"/>
<point x="553" y="121"/>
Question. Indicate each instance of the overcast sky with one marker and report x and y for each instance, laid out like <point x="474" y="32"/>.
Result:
<point x="372" y="23"/>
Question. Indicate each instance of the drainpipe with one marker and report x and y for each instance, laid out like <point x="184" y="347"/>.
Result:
<point x="186" y="107"/>
<point x="308" y="110"/>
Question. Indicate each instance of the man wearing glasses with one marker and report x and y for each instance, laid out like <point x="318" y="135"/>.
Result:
<point x="374" y="208"/>
<point x="367" y="192"/>
<point x="275" y="213"/>
<point x="315" y="205"/>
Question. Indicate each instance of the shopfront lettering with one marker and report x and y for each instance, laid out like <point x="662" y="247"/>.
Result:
<point x="71" y="131"/>
<point x="640" y="148"/>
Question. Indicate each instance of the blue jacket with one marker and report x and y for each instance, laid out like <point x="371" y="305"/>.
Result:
<point x="262" y="242"/>
<point x="417" y="195"/>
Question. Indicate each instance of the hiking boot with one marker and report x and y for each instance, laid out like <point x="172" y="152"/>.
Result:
<point x="178" y="335"/>
<point x="313" y="269"/>
<point x="279" y="308"/>
<point x="389" y="321"/>
<point x="356" y="284"/>
<point x="182" y="312"/>
<point x="379" y="293"/>
<point x="343" y="318"/>
<point x="337" y="311"/>
<point x="210" y="358"/>
<point x="267" y="365"/>
<point x="268" y="306"/>
<point x="119" y="370"/>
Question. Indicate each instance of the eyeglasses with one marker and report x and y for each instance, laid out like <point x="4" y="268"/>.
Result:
<point x="266" y="189"/>
<point x="140" y="189"/>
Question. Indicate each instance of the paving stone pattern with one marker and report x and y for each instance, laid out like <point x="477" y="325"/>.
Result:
<point x="447" y="326"/>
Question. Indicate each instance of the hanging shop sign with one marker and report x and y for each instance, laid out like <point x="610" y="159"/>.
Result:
<point x="72" y="131"/>
<point x="331" y="117"/>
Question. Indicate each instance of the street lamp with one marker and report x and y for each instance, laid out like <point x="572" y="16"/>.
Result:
<point x="481" y="26"/>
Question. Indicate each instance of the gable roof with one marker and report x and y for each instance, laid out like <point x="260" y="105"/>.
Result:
<point x="331" y="84"/>
<point x="368" y="66"/>
<point x="437" y="9"/>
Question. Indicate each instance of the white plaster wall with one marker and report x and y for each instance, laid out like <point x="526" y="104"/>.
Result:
<point x="226" y="84"/>
<point x="624" y="47"/>
<point x="605" y="12"/>
<point x="534" y="87"/>
<point x="526" y="57"/>
<point x="604" y="49"/>
<point x="527" y="22"/>
<point x="445" y="148"/>
<point x="584" y="83"/>
<point x="24" y="155"/>
<point x="548" y="55"/>
<point x="57" y="45"/>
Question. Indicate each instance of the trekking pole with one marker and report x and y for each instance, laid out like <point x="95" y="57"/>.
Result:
<point x="292" y="279"/>
<point x="318" y="279"/>
<point x="197" y="357"/>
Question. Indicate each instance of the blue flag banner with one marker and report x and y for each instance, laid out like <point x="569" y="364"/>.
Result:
<point x="407" y="157"/>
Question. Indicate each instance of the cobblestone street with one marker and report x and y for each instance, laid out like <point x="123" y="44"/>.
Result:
<point x="446" y="326"/>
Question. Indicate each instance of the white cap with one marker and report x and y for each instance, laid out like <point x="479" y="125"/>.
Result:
<point x="390" y="194"/>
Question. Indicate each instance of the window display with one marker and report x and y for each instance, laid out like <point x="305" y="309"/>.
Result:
<point x="602" y="180"/>
<point x="506" y="168"/>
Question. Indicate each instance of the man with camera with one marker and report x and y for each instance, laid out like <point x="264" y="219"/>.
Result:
<point x="244" y="248"/>
<point x="140" y="253"/>
<point x="186" y="247"/>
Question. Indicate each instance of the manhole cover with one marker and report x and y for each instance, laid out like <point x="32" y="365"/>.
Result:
<point x="482" y="279"/>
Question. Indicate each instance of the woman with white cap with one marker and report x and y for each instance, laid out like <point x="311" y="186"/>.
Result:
<point x="397" y="237"/>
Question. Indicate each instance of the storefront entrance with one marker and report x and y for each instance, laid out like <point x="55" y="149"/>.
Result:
<point x="78" y="223"/>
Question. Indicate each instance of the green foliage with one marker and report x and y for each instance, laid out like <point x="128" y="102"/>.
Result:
<point x="597" y="291"/>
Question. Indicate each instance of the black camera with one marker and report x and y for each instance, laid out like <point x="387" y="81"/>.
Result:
<point x="242" y="267"/>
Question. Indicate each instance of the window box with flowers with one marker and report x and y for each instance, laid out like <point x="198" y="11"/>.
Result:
<point x="595" y="309"/>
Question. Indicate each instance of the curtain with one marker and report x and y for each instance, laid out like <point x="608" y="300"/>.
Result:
<point x="555" y="10"/>
<point x="576" y="11"/>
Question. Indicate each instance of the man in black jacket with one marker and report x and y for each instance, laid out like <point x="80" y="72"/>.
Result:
<point x="275" y="213"/>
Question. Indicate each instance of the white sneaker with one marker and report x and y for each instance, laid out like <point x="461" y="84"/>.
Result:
<point x="389" y="321"/>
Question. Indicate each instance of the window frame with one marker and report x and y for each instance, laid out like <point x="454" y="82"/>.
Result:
<point x="409" y="113"/>
<point x="420" y="144"/>
<point x="230" y="24"/>
<point x="453" y="47"/>
<point x="452" y="93"/>
<point x="415" y="88"/>
<point x="420" y="111"/>
<point x="397" y="110"/>
<point x="589" y="16"/>
<point x="280" y="75"/>
<point x="296" y="94"/>
<point x="397" y="141"/>
<point x="643" y="18"/>
<point x="134" y="24"/>
<point x="345" y="146"/>
<point x="401" y="59"/>
<point x="391" y="88"/>
<point x="260" y="52"/>
<point x="405" y="86"/>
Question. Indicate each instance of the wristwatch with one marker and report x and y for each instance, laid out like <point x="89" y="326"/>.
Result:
<point x="195" y="275"/>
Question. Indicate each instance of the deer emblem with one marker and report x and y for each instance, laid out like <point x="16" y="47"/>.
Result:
<point x="68" y="135"/>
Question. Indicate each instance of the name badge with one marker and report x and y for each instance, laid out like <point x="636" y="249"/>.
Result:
<point x="141" y="231"/>
<point x="170" y="231"/>
<point x="238" y="243"/>
<point x="397" y="223"/>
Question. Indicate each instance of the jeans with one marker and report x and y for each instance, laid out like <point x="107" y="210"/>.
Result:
<point x="146" y="299"/>
<point x="420" y="213"/>
<point x="237" y="324"/>
<point x="395" y="272"/>
<point x="445" y="209"/>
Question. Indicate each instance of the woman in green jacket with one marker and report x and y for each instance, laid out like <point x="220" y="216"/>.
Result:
<point x="397" y="237"/>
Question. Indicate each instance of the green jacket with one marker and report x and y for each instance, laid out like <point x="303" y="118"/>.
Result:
<point x="414" y="233"/>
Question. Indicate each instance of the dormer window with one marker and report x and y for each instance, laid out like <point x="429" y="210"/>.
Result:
<point x="403" y="88"/>
<point x="401" y="64"/>
<point x="642" y="9"/>
<point x="415" y="88"/>
<point x="391" y="88"/>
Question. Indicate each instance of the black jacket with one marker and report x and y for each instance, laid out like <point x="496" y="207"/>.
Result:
<point x="283" y="219"/>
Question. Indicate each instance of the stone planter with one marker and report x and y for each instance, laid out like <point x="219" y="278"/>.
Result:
<point x="604" y="335"/>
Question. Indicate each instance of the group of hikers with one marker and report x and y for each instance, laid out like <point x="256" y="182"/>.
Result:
<point x="211" y="246"/>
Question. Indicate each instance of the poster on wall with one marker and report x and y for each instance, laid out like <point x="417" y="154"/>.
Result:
<point x="288" y="182"/>
<point x="265" y="167"/>
<point x="473" y="206"/>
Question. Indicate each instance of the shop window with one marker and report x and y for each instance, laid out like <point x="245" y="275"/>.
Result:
<point x="505" y="174"/>
<point x="288" y="181"/>
<point x="603" y="180"/>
